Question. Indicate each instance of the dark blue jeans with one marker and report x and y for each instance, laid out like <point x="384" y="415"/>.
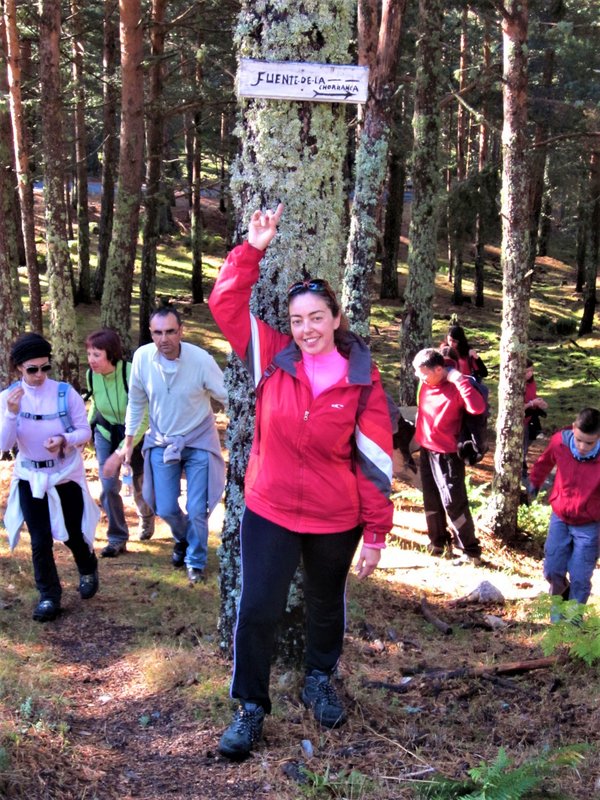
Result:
<point x="37" y="518"/>
<point x="270" y="557"/>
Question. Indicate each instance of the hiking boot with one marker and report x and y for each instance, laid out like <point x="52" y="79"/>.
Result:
<point x="195" y="574"/>
<point x="465" y="558"/>
<point x="243" y="733"/>
<point x="88" y="585"/>
<point x="46" y="611"/>
<point x="319" y="695"/>
<point x="440" y="552"/>
<point x="178" y="557"/>
<point x="113" y="550"/>
<point x="146" y="529"/>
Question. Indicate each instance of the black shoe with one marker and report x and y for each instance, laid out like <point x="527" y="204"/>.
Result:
<point x="88" y="585"/>
<point x="113" y="550"/>
<point x="178" y="557"/>
<point x="465" y="558"/>
<point x="145" y="533"/>
<point x="319" y="694"/>
<point x="195" y="575"/>
<point x="46" y="611"/>
<point x="243" y="733"/>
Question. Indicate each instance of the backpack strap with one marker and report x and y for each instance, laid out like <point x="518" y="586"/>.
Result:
<point x="62" y="413"/>
<point x="90" y="384"/>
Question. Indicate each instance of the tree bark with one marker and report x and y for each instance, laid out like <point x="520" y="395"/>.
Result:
<point x="116" y="298"/>
<point x="504" y="501"/>
<point x="422" y="251"/>
<point x="60" y="294"/>
<point x="21" y="148"/>
<point x="457" y="226"/>
<point x="481" y="165"/>
<point x="196" y="210"/>
<point x="154" y="150"/>
<point x="591" y="273"/>
<point x="393" y="225"/>
<point x="84" y="289"/>
<point x="371" y="165"/>
<point x="11" y="308"/>
<point x="110" y="146"/>
<point x="293" y="153"/>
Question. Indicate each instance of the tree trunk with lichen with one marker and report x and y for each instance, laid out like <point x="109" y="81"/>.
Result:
<point x="65" y="344"/>
<point x="371" y="167"/>
<point x="504" y="501"/>
<point x="417" y="313"/>
<point x="292" y="152"/>
<point x="118" y="285"/>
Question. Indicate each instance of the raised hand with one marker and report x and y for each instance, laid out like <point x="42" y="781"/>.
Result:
<point x="13" y="399"/>
<point x="263" y="227"/>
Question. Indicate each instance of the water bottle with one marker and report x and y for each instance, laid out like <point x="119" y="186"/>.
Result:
<point x="127" y="481"/>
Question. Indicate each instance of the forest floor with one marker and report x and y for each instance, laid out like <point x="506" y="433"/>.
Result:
<point x="125" y="695"/>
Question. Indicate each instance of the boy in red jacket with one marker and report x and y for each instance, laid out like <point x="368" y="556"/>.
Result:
<point x="572" y="544"/>
<point x="444" y="395"/>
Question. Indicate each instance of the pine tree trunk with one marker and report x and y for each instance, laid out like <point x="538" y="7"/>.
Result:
<point x="110" y="145"/>
<point x="154" y="159"/>
<point x="582" y="237"/>
<point x="422" y="251"/>
<point x="504" y="501"/>
<point x="591" y="273"/>
<point x="21" y="148"/>
<point x="371" y="166"/>
<point x="116" y="298"/>
<point x="393" y="225"/>
<point x="11" y="308"/>
<point x="461" y="162"/>
<point x="291" y="152"/>
<point x="484" y="139"/>
<point x="196" y="211"/>
<point x="65" y="344"/>
<point x="84" y="289"/>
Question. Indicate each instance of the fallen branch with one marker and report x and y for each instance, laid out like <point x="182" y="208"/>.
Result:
<point x="431" y="617"/>
<point x="510" y="668"/>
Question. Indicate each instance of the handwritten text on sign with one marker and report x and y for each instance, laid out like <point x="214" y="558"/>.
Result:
<point x="290" y="80"/>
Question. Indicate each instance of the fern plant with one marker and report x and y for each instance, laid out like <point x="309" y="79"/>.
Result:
<point x="575" y="627"/>
<point x="500" y="780"/>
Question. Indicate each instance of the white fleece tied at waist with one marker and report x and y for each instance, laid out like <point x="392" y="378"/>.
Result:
<point x="44" y="483"/>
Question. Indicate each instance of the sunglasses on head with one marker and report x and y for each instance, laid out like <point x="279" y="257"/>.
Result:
<point x="33" y="370"/>
<point x="312" y="285"/>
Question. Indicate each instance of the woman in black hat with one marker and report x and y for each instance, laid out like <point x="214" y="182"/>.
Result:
<point x="47" y="421"/>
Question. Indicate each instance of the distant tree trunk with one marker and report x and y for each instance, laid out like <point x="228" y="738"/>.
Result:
<point x="545" y="227"/>
<point x="196" y="211"/>
<point x="84" y="293"/>
<point x="422" y="250"/>
<point x="110" y="145"/>
<point x="582" y="237"/>
<point x="65" y="344"/>
<point x="503" y="503"/>
<point x="116" y="298"/>
<point x="482" y="162"/>
<point x="461" y="160"/>
<point x="393" y="225"/>
<point x="591" y="272"/>
<point x="371" y="165"/>
<point x="154" y="156"/>
<point x="222" y="162"/>
<point x="308" y="180"/>
<point x="20" y="143"/>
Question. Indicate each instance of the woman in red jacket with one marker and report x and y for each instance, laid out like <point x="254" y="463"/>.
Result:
<point x="318" y="479"/>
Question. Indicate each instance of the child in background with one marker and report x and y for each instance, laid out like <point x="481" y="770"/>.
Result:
<point x="535" y="407"/>
<point x="572" y="544"/>
<point x="469" y="362"/>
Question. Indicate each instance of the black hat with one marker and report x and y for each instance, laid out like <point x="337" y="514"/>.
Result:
<point x="29" y="345"/>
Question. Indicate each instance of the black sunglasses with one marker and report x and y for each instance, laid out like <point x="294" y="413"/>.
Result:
<point x="312" y="285"/>
<point x="33" y="370"/>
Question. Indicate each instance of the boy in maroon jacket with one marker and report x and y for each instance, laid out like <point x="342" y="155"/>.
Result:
<point x="572" y="544"/>
<point x="444" y="395"/>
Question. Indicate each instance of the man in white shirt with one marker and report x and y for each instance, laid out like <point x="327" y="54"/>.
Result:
<point x="175" y="380"/>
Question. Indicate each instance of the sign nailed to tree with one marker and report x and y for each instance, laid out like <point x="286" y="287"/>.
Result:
<point x="290" y="80"/>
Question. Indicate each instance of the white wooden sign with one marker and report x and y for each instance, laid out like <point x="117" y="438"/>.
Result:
<point x="290" y="80"/>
